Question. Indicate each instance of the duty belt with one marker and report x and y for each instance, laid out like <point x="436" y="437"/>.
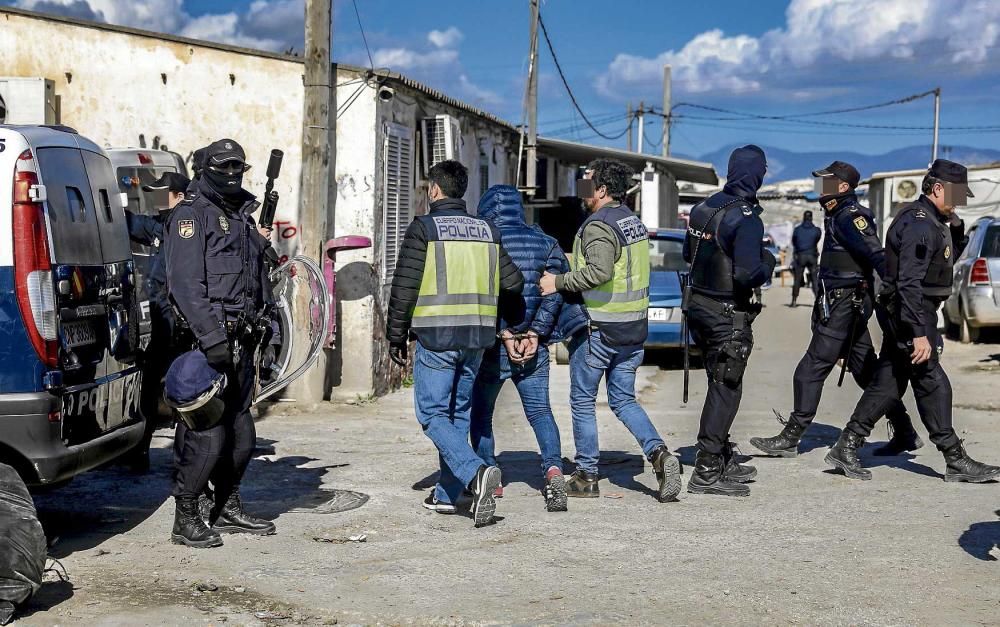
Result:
<point x="740" y="318"/>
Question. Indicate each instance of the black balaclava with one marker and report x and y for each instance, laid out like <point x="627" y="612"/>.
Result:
<point x="219" y="156"/>
<point x="807" y="216"/>
<point x="747" y="166"/>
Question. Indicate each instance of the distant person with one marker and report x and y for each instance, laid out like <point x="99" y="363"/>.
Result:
<point x="521" y="355"/>
<point x="805" y="254"/>
<point x="852" y="256"/>
<point x="445" y="291"/>
<point x="921" y="246"/>
<point x="725" y="247"/>
<point x="611" y="272"/>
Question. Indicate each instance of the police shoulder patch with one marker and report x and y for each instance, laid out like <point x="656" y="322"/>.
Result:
<point x="947" y="252"/>
<point x="860" y="223"/>
<point x="224" y="224"/>
<point x="185" y="228"/>
<point x="920" y="213"/>
<point x="747" y="210"/>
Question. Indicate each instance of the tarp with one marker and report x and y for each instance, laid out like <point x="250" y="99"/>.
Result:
<point x="22" y="541"/>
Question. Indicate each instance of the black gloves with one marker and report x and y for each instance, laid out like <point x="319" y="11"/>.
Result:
<point x="267" y="357"/>
<point x="398" y="353"/>
<point x="219" y="356"/>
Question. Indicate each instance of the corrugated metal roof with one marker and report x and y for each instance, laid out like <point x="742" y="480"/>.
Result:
<point x="681" y="169"/>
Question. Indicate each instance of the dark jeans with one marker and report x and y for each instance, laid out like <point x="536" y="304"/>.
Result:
<point x="712" y="331"/>
<point x="830" y="342"/>
<point x="931" y="387"/>
<point x="804" y="262"/>
<point x="532" y="383"/>
<point x="221" y="453"/>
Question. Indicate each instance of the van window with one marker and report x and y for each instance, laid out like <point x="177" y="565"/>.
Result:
<point x="991" y="245"/>
<point x="131" y="180"/>
<point x="72" y="219"/>
<point x="114" y="233"/>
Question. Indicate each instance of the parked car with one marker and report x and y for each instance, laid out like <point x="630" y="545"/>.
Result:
<point x="69" y="385"/>
<point x="974" y="303"/>
<point x="134" y="168"/>
<point x="666" y="263"/>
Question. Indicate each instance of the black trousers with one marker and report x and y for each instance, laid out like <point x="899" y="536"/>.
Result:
<point x="893" y="372"/>
<point x="804" y="262"/>
<point x="714" y="333"/>
<point x="220" y="454"/>
<point x="831" y="340"/>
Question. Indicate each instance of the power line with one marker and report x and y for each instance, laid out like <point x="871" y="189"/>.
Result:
<point x="363" y="38"/>
<point x="752" y="118"/>
<point x="569" y="91"/>
<point x="879" y="105"/>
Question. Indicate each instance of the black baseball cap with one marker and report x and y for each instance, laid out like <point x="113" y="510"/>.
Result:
<point x="843" y="171"/>
<point x="170" y="181"/>
<point x="224" y="150"/>
<point x="951" y="172"/>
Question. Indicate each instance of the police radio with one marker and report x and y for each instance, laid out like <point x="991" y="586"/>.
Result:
<point x="270" y="196"/>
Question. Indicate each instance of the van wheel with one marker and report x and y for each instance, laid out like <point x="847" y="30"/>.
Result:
<point x="562" y="354"/>
<point x="966" y="332"/>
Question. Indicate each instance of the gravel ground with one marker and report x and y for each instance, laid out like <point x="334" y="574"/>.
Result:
<point x="808" y="546"/>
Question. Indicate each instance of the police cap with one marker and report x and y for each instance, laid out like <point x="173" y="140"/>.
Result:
<point x="843" y="171"/>
<point x="224" y="150"/>
<point x="951" y="172"/>
<point x="170" y="181"/>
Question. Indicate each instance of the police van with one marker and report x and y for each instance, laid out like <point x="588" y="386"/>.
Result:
<point x="69" y="383"/>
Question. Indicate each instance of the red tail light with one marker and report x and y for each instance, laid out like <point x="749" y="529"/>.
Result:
<point x="980" y="274"/>
<point x="32" y="265"/>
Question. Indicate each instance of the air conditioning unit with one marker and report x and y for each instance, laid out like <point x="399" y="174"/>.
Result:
<point x="442" y="136"/>
<point x="27" y="101"/>
<point x="906" y="189"/>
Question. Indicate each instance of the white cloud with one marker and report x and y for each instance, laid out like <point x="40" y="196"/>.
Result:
<point x="267" y="24"/>
<point x="445" y="39"/>
<point x="818" y="35"/>
<point x="405" y="59"/>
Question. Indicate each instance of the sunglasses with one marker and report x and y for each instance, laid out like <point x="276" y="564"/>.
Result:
<point x="230" y="168"/>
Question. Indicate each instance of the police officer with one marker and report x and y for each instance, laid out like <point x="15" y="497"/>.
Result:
<point x="724" y="247"/>
<point x="805" y="239"/>
<point x="445" y="292"/>
<point x="921" y="246"/>
<point x="611" y="272"/>
<point x="852" y="255"/>
<point x="217" y="280"/>
<point x="148" y="230"/>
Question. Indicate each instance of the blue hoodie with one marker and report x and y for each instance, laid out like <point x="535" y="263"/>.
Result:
<point x="533" y="252"/>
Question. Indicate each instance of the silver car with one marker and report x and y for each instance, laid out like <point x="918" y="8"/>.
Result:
<point x="974" y="303"/>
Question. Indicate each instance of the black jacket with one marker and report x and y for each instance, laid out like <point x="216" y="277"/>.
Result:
<point x="406" y="287"/>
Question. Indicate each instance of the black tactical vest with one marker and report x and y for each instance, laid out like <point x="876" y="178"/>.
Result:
<point x="711" y="267"/>
<point x="938" y="279"/>
<point x="836" y="263"/>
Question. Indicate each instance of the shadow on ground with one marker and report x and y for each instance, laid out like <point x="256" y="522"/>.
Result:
<point x="981" y="538"/>
<point x="110" y="500"/>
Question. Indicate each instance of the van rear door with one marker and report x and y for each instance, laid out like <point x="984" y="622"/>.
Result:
<point x="95" y="297"/>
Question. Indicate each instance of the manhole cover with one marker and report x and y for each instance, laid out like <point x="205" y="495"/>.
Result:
<point x="334" y="502"/>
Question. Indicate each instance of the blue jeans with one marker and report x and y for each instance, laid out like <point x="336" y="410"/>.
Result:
<point x="532" y="383"/>
<point x="442" y="394"/>
<point x="589" y="360"/>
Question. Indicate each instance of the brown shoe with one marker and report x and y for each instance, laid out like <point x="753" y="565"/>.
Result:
<point x="582" y="484"/>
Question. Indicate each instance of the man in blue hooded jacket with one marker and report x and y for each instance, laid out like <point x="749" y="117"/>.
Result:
<point x="728" y="260"/>
<point x="522" y="356"/>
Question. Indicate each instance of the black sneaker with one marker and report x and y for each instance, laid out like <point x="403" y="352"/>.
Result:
<point x="484" y="487"/>
<point x="435" y="505"/>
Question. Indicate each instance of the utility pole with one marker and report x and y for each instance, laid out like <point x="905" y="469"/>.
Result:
<point x="937" y="121"/>
<point x="666" y="110"/>
<point x="318" y="148"/>
<point x="642" y="119"/>
<point x="628" y="118"/>
<point x="531" y="166"/>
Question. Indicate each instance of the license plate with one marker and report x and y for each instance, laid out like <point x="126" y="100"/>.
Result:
<point x="79" y="333"/>
<point x="659" y="314"/>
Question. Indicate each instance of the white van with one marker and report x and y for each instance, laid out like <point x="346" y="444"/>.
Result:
<point x="69" y="384"/>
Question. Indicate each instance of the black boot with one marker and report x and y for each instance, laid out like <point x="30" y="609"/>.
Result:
<point x="794" y="298"/>
<point x="233" y="519"/>
<point x="961" y="467"/>
<point x="785" y="444"/>
<point x="904" y="438"/>
<point x="709" y="477"/>
<point x="667" y="469"/>
<point x="735" y="471"/>
<point x="189" y="528"/>
<point x="844" y="455"/>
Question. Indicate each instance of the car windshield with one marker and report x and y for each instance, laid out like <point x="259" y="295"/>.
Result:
<point x="666" y="255"/>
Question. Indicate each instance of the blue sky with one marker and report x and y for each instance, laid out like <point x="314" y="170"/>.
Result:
<point x="768" y="57"/>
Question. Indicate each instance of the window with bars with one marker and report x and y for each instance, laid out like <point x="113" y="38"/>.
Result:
<point x="397" y="164"/>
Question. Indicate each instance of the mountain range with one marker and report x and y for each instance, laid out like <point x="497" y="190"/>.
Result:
<point x="783" y="165"/>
